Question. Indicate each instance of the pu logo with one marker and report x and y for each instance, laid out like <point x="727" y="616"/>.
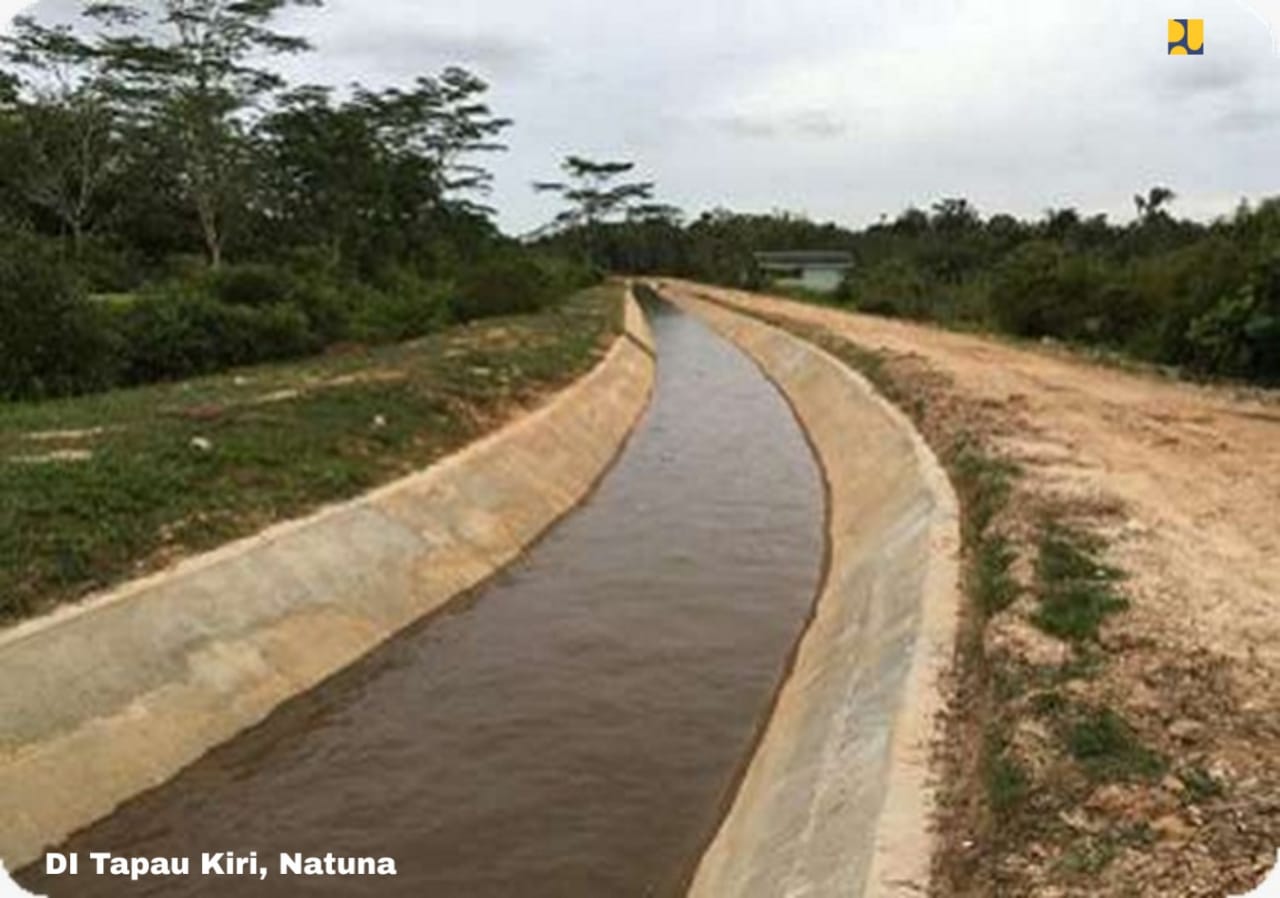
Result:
<point x="1186" y="37"/>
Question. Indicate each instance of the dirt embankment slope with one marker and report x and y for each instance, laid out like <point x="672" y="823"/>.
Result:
<point x="1182" y="482"/>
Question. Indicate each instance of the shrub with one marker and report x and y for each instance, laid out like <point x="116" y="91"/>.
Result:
<point x="508" y="284"/>
<point x="892" y="287"/>
<point x="53" y="340"/>
<point x="107" y="268"/>
<point x="251" y="285"/>
<point x="1041" y="291"/>
<point x="314" y="289"/>
<point x="569" y="275"/>
<point x="176" y="336"/>
<point x="1239" y="335"/>
<point x="404" y="308"/>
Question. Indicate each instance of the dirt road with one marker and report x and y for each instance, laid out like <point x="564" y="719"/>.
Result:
<point x="1186" y="483"/>
<point x="1196" y="469"/>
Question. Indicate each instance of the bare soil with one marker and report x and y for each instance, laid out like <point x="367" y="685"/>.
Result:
<point x="1182" y="484"/>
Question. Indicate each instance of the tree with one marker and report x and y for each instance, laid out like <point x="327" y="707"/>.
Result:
<point x="323" y="174"/>
<point x="592" y="194"/>
<point x="1152" y="205"/>
<point x="954" y="214"/>
<point x="382" y="168"/>
<point x="191" y="70"/>
<point x="62" y="123"/>
<point x="441" y="122"/>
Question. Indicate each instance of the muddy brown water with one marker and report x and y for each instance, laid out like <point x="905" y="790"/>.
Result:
<point x="572" y="729"/>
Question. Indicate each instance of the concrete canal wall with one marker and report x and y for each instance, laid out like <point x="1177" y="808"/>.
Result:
<point x="115" y="695"/>
<point x="837" y="799"/>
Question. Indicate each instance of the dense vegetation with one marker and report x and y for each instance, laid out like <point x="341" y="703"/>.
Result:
<point x="169" y="206"/>
<point x="1202" y="297"/>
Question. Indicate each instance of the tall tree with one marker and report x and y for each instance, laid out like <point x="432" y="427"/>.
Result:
<point x="594" y="196"/>
<point x="1152" y="205"/>
<point x="384" y="167"/>
<point x="62" y="123"/>
<point x="193" y="68"/>
<point x="443" y="121"/>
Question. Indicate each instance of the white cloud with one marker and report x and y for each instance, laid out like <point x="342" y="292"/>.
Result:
<point x="9" y="9"/>
<point x="845" y="108"/>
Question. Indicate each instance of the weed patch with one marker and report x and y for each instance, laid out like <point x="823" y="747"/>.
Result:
<point x="1077" y="592"/>
<point x="1108" y="749"/>
<point x="1007" y="783"/>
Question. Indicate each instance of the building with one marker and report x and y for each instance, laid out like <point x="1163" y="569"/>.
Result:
<point x="819" y="271"/>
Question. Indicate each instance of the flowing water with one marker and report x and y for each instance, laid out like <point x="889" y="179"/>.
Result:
<point x="575" y="727"/>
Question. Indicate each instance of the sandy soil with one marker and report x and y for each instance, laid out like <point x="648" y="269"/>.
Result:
<point x="1196" y="469"/>
<point x="1190" y="479"/>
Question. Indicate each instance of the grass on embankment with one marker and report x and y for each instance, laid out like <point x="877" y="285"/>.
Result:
<point x="99" y="489"/>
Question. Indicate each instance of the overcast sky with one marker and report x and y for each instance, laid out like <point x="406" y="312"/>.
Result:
<point x="844" y="109"/>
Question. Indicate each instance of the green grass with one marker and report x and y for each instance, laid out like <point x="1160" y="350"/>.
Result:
<point x="994" y="587"/>
<point x="1077" y="592"/>
<point x="984" y="483"/>
<point x="1007" y="784"/>
<point x="1108" y="749"/>
<point x="283" y="439"/>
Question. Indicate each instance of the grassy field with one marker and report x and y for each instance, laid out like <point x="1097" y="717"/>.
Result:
<point x="102" y="488"/>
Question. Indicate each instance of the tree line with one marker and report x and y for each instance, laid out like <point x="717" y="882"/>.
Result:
<point x="1204" y="298"/>
<point x="170" y="205"/>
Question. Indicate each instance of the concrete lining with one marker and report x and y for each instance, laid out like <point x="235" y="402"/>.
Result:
<point x="837" y="799"/>
<point x="108" y="698"/>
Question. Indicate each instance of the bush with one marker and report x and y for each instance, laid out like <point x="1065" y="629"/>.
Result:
<point x="262" y="286"/>
<point x="569" y="275"/>
<point x="107" y="268"/>
<point x="509" y="284"/>
<point x="891" y="287"/>
<point x="53" y="340"/>
<point x="251" y="285"/>
<point x="1239" y="336"/>
<point x="404" y="308"/>
<point x="1041" y="291"/>
<point x="171" y="336"/>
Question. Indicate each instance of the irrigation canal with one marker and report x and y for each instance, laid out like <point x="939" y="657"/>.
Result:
<point x="574" y="728"/>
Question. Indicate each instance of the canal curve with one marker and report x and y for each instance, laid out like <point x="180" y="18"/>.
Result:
<point x="576" y="727"/>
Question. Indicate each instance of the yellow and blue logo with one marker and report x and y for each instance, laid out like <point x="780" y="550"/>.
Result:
<point x="1186" y="37"/>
